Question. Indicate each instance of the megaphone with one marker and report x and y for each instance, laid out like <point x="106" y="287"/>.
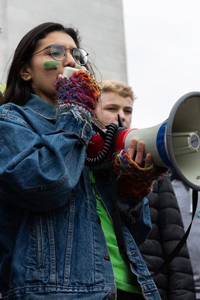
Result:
<point x="173" y="144"/>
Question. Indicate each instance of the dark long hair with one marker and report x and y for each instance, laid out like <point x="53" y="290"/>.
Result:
<point x="18" y="90"/>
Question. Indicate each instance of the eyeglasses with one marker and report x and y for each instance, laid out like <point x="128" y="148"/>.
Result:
<point x="59" y="52"/>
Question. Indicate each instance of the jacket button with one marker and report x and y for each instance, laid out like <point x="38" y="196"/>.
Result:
<point x="111" y="296"/>
<point x="106" y="256"/>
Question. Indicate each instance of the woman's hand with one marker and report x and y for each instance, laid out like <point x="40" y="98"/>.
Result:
<point x="139" y="146"/>
<point x="78" y="94"/>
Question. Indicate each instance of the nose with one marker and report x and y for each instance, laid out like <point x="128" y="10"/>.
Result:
<point x="122" y="115"/>
<point x="69" y="60"/>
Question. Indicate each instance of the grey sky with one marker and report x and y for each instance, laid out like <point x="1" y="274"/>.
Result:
<point x="163" y="55"/>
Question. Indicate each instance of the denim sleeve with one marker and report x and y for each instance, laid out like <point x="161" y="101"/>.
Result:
<point x="39" y="171"/>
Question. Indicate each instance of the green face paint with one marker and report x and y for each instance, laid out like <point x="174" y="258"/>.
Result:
<point x="51" y="63"/>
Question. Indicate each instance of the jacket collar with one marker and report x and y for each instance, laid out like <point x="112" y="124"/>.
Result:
<point x="41" y="107"/>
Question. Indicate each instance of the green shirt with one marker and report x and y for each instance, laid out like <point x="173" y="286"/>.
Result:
<point x="125" y="280"/>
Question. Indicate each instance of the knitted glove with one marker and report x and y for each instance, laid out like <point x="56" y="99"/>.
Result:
<point x="79" y="93"/>
<point x="134" y="182"/>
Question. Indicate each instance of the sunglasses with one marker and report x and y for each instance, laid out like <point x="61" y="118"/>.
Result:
<point x="59" y="52"/>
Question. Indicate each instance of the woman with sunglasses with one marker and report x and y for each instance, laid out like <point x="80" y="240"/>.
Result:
<point x="51" y="242"/>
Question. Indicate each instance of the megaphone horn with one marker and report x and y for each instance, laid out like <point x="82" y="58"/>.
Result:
<point x="173" y="143"/>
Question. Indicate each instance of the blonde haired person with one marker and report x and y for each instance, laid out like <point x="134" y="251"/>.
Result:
<point x="176" y="281"/>
<point x="117" y="98"/>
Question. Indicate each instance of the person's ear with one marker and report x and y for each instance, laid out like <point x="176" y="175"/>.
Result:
<point x="25" y="72"/>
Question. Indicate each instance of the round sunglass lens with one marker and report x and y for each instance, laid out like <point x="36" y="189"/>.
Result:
<point x="80" y="56"/>
<point x="57" y="52"/>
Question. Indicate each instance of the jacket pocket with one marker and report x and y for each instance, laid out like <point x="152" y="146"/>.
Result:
<point x="40" y="255"/>
<point x="34" y="256"/>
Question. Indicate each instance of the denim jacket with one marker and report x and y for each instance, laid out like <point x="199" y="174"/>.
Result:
<point x="51" y="242"/>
